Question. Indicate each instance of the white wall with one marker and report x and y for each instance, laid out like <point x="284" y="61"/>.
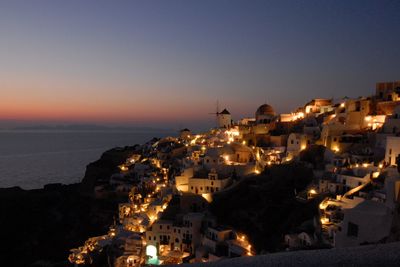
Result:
<point x="373" y="220"/>
<point x="392" y="149"/>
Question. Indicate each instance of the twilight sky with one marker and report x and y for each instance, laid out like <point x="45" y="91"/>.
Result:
<point x="165" y="63"/>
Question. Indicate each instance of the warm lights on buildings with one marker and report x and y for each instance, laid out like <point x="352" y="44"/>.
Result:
<point x="312" y="192"/>
<point x="208" y="197"/>
<point x="323" y="205"/>
<point x="375" y="174"/>
<point x="123" y="167"/>
<point x="324" y="220"/>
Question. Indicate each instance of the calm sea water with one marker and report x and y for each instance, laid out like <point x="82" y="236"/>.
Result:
<point x="31" y="159"/>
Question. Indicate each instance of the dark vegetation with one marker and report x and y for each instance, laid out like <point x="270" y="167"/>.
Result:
<point x="264" y="207"/>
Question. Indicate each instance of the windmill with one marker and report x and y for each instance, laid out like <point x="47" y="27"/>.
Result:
<point x="216" y="114"/>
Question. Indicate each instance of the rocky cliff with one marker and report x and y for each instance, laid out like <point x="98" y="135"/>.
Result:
<point x="39" y="227"/>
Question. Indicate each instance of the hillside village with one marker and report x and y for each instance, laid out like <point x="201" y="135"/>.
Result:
<point x="351" y="147"/>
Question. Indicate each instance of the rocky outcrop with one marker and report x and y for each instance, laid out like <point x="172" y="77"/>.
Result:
<point x="101" y="170"/>
<point x="39" y="227"/>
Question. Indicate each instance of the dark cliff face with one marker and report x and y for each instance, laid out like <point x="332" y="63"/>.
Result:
<point x="43" y="225"/>
<point x="101" y="170"/>
<point x="264" y="206"/>
<point x="39" y="227"/>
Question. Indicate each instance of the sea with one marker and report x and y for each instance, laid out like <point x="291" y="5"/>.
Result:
<point x="32" y="158"/>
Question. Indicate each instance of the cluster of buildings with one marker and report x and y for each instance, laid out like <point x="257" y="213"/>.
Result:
<point x="170" y="182"/>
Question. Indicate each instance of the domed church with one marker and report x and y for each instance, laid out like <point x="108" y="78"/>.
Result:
<point x="265" y="114"/>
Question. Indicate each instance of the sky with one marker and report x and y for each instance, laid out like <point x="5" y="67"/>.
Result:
<point x="166" y="63"/>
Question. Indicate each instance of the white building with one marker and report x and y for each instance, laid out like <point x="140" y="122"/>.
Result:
<point x="233" y="157"/>
<point x="297" y="142"/>
<point x="220" y="242"/>
<point x="167" y="235"/>
<point x="201" y="184"/>
<point x="318" y="105"/>
<point x="365" y="222"/>
<point x="364" y="214"/>
<point x="392" y="149"/>
<point x="299" y="240"/>
<point x="214" y="235"/>
<point x="224" y="119"/>
<point x="356" y="176"/>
